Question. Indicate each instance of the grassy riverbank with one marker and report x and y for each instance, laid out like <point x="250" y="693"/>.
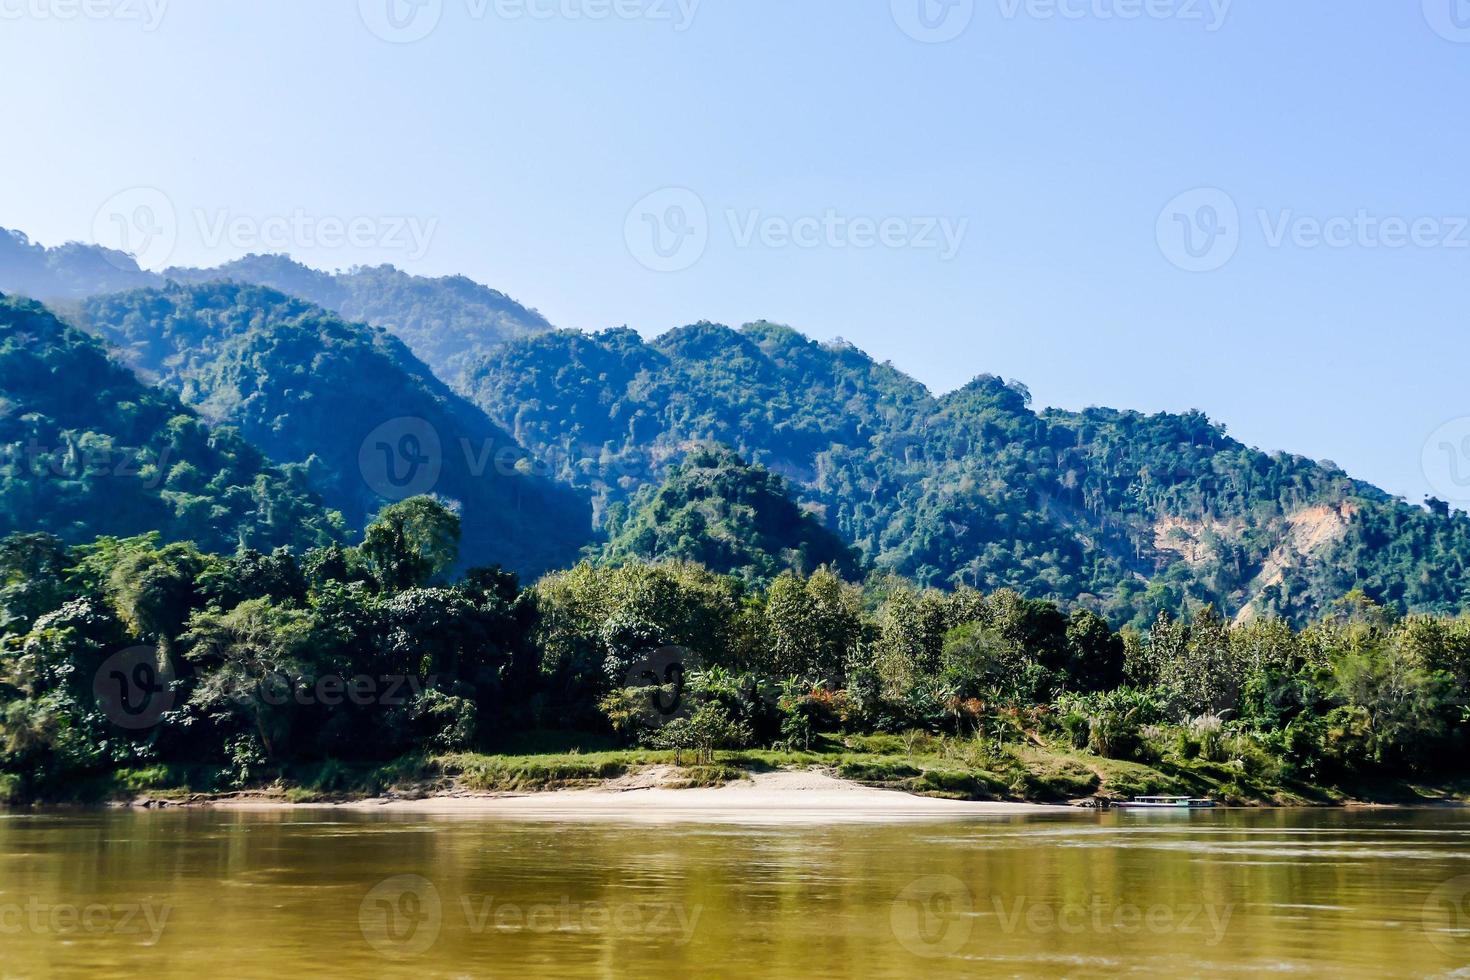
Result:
<point x="936" y="766"/>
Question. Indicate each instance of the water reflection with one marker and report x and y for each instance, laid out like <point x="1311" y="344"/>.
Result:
<point x="334" y="893"/>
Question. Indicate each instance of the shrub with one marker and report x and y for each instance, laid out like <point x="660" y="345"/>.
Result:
<point x="702" y="733"/>
<point x="1208" y="734"/>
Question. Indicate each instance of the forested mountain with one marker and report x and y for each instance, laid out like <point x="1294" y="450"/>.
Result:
<point x="1126" y="513"/>
<point x="86" y="449"/>
<point x="66" y="272"/>
<point x="730" y="517"/>
<point x="446" y="322"/>
<point x="351" y="405"/>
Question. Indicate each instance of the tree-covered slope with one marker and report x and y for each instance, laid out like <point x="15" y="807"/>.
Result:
<point x="730" y="517"/>
<point x="66" y="272"/>
<point x="447" y="322"/>
<point x="86" y="449"/>
<point x="1127" y="513"/>
<point x="348" y="402"/>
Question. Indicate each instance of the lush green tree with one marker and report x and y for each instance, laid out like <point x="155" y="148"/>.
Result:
<point x="411" y="542"/>
<point x="812" y="626"/>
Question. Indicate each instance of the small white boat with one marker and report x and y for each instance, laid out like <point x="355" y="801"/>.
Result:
<point x="1163" y="803"/>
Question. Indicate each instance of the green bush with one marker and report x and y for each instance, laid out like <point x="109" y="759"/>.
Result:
<point x="876" y="771"/>
<point x="954" y="785"/>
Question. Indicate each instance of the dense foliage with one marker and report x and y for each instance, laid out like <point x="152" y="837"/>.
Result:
<point x="86" y="449"/>
<point x="66" y="272"/>
<point x="717" y="511"/>
<point x="1120" y="512"/>
<point x="254" y="663"/>
<point x="446" y="322"/>
<point x="253" y="659"/>
<point x="350" y="405"/>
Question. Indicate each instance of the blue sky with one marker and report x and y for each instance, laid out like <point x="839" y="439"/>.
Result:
<point x="998" y="186"/>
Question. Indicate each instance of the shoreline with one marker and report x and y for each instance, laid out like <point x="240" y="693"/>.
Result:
<point x="780" y="797"/>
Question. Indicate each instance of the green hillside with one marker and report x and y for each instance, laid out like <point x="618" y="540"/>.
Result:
<point x="730" y="517"/>
<point x="1126" y="513"/>
<point x="447" y="322"/>
<point x="90" y="450"/>
<point x="365" y="419"/>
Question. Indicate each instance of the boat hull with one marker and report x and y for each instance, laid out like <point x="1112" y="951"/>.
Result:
<point x="1163" y="806"/>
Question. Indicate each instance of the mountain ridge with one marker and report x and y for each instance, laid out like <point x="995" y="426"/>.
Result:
<point x="445" y="321"/>
<point x="348" y="403"/>
<point x="1130" y="514"/>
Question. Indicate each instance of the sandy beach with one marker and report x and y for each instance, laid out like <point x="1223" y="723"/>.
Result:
<point x="771" y="797"/>
<point x="645" y="796"/>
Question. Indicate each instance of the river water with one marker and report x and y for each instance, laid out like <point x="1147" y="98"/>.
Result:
<point x="222" y="894"/>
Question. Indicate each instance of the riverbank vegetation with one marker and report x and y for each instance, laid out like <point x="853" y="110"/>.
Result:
<point x="130" y="666"/>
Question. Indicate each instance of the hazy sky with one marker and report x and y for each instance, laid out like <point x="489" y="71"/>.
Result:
<point x="1257" y="208"/>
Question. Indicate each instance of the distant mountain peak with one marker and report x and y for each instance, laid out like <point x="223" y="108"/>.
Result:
<point x="448" y="322"/>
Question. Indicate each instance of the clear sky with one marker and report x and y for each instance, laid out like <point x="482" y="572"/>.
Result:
<point x="961" y="187"/>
